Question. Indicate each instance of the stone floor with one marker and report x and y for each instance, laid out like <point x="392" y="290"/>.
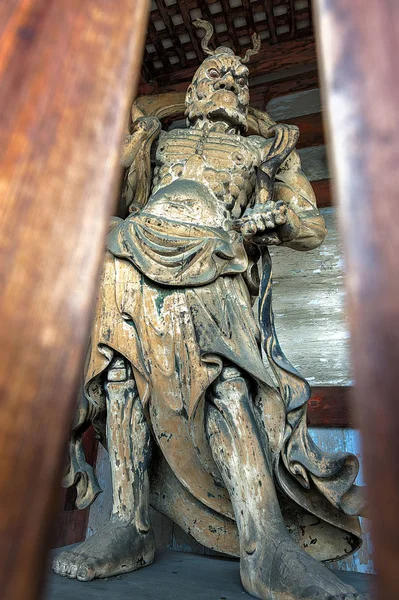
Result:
<point x="174" y="576"/>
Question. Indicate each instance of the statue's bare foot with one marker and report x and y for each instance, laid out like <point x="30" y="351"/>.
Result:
<point x="118" y="548"/>
<point x="289" y="573"/>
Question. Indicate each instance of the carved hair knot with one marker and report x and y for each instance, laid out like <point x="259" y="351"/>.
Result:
<point x="202" y="24"/>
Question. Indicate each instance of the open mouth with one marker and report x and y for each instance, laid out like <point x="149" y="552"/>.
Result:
<point x="228" y="114"/>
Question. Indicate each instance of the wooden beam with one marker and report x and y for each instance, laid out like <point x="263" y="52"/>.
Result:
<point x="311" y="130"/>
<point x="314" y="162"/>
<point x="331" y="406"/>
<point x="230" y="24"/>
<point x="177" y="45"/>
<point x="322" y="189"/>
<point x="249" y="14"/>
<point x="158" y="46"/>
<point x="270" y="20"/>
<point x="290" y="85"/>
<point x="271" y="59"/>
<point x="68" y="70"/>
<point x="207" y="15"/>
<point x="359" y="54"/>
<point x="71" y="527"/>
<point x="71" y="523"/>
<point x="292" y="17"/>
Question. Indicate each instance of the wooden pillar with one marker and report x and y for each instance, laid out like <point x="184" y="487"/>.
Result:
<point x="359" y="50"/>
<point x="67" y="70"/>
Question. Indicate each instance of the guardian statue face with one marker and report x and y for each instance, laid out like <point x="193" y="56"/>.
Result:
<point x="219" y="89"/>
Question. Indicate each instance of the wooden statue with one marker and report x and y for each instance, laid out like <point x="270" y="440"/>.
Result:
<point x="203" y="416"/>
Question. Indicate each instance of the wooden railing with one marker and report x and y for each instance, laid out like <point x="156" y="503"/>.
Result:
<point x="359" y="47"/>
<point x="68" y="69"/>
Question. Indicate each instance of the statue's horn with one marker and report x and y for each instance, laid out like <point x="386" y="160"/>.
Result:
<point x="256" y="43"/>
<point x="201" y="24"/>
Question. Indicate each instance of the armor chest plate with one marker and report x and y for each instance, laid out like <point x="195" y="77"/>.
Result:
<point x="224" y="163"/>
<point x="219" y="151"/>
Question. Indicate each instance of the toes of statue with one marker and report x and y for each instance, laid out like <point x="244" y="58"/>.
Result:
<point x="316" y="593"/>
<point x="60" y="563"/>
<point x="85" y="573"/>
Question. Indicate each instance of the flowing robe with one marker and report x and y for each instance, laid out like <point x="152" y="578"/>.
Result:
<point x="174" y="301"/>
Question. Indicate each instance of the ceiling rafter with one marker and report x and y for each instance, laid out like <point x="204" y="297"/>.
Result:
<point x="173" y="44"/>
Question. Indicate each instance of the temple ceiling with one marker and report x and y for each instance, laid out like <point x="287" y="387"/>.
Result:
<point x="173" y="45"/>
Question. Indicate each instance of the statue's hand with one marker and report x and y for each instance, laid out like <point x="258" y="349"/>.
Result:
<point x="271" y="223"/>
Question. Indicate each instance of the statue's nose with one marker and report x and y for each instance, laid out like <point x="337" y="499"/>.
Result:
<point x="227" y="83"/>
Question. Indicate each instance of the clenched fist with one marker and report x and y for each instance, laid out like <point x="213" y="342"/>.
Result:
<point x="271" y="223"/>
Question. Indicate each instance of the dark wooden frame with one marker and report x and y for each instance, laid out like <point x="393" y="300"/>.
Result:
<point x="358" y="56"/>
<point x="68" y="70"/>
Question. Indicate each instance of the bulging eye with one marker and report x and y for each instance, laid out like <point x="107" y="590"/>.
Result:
<point x="214" y="73"/>
<point x="242" y="81"/>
